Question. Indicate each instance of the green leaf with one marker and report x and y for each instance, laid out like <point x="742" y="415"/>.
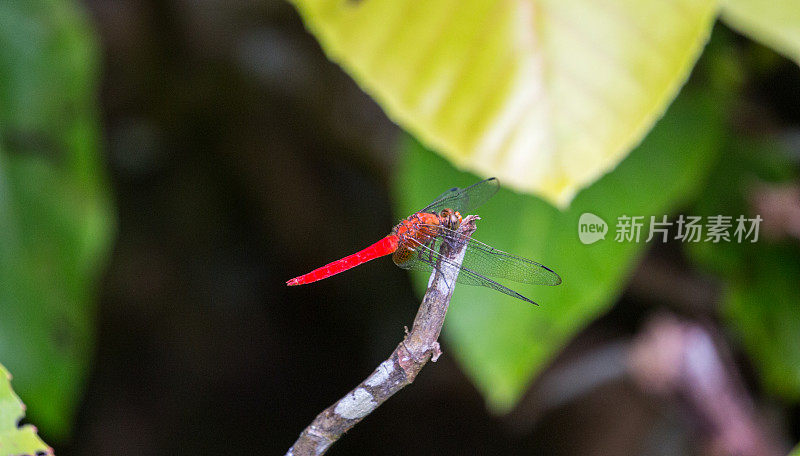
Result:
<point x="545" y="94"/>
<point x="55" y="215"/>
<point x="774" y="23"/>
<point x="760" y="279"/>
<point x="15" y="440"/>
<point x="762" y="308"/>
<point x="501" y="342"/>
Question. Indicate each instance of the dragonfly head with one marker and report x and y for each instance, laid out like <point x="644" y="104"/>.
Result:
<point x="450" y="218"/>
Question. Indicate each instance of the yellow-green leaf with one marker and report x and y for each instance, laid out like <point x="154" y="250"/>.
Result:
<point x="16" y="440"/>
<point x="545" y="94"/>
<point x="775" y="23"/>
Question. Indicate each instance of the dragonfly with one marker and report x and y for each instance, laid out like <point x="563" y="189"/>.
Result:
<point x="416" y="241"/>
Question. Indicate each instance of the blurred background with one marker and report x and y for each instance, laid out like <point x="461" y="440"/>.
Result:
<point x="166" y="165"/>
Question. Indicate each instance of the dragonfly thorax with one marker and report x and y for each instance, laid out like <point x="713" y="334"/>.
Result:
<point x="418" y="232"/>
<point x="421" y="227"/>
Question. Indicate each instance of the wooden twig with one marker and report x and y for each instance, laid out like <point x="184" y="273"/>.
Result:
<point x="402" y="367"/>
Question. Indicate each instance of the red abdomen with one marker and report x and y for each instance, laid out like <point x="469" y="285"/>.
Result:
<point x="381" y="248"/>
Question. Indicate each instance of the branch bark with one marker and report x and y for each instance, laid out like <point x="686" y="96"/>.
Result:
<point x="402" y="367"/>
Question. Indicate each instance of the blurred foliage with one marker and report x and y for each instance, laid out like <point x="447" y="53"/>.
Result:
<point x="503" y="343"/>
<point x="774" y="23"/>
<point x="55" y="215"/>
<point x="761" y="279"/>
<point x="547" y="95"/>
<point x="14" y="439"/>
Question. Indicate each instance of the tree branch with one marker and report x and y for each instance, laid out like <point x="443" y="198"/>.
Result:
<point x="405" y="362"/>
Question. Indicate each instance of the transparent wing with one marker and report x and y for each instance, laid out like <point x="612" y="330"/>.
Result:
<point x="489" y="261"/>
<point x="480" y="261"/>
<point x="465" y="200"/>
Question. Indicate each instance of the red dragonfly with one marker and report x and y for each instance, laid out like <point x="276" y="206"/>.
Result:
<point x="414" y="244"/>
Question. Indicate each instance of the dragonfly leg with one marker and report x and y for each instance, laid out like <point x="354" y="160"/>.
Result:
<point x="429" y="252"/>
<point x="432" y="253"/>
